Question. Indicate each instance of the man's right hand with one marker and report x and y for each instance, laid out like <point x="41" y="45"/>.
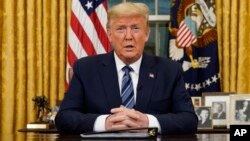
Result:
<point x="122" y="118"/>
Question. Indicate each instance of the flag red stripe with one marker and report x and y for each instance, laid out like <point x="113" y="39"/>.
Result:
<point x="82" y="36"/>
<point x="184" y="36"/>
<point x="71" y="56"/>
<point x="101" y="32"/>
<point x="105" y="5"/>
<point x="186" y="39"/>
<point x="181" y="32"/>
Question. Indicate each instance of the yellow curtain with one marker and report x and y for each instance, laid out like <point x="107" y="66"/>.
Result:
<point x="234" y="44"/>
<point x="33" y="41"/>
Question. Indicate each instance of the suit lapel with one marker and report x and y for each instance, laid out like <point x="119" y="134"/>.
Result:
<point x="109" y="79"/>
<point x="147" y="77"/>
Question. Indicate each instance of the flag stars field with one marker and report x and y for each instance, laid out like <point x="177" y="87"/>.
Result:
<point x="202" y="85"/>
<point x="89" y="4"/>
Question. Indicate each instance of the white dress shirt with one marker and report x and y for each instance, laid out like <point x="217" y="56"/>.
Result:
<point x="100" y="121"/>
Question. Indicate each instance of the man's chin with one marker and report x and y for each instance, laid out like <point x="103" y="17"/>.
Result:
<point x="129" y="54"/>
<point x="130" y="59"/>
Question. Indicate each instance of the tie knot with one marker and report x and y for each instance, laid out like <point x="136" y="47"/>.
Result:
<point x="127" y="69"/>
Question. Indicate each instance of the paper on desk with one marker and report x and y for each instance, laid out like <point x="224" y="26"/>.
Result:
<point x="151" y="133"/>
<point x="116" y="135"/>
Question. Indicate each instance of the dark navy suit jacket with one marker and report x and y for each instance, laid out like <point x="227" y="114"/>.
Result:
<point x="94" y="90"/>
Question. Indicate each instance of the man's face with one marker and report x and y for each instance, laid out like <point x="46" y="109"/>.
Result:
<point x="218" y="107"/>
<point x="204" y="114"/>
<point x="128" y="35"/>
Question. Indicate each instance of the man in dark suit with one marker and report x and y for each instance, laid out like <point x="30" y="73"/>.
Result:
<point x="126" y="88"/>
<point x="219" y="111"/>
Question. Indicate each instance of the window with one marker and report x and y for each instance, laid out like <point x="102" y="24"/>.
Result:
<point x="159" y="19"/>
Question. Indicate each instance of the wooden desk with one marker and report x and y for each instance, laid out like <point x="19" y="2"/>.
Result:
<point x="30" y="136"/>
<point x="54" y="130"/>
<point x="212" y="131"/>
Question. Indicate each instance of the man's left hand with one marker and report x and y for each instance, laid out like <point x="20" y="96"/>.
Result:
<point x="139" y="118"/>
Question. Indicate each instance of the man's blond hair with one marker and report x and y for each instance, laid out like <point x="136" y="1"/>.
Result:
<point x="127" y="9"/>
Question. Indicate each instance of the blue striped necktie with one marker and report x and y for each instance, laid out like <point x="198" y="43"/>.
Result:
<point x="127" y="93"/>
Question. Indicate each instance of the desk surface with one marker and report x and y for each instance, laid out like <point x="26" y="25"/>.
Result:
<point x="55" y="130"/>
<point x="22" y="136"/>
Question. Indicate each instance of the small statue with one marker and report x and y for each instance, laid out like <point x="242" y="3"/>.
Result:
<point x="42" y="106"/>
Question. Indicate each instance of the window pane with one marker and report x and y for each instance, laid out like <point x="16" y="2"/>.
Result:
<point x="113" y="2"/>
<point x="150" y="45"/>
<point x="164" y="7"/>
<point x="163" y="35"/>
<point x="150" y="4"/>
<point x="160" y="43"/>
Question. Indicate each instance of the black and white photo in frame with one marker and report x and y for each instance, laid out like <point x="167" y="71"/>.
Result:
<point x="240" y="109"/>
<point x="204" y="117"/>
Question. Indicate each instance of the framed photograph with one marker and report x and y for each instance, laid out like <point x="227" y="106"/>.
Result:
<point x="220" y="107"/>
<point x="204" y="116"/>
<point x="196" y="100"/>
<point x="240" y="109"/>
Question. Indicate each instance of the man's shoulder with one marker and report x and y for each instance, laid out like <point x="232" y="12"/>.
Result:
<point x="90" y="63"/>
<point x="92" y="59"/>
<point x="160" y="59"/>
<point x="215" y="113"/>
<point x="164" y="62"/>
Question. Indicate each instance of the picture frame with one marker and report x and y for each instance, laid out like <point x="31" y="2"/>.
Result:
<point x="220" y="107"/>
<point x="204" y="117"/>
<point x="196" y="100"/>
<point x="240" y="109"/>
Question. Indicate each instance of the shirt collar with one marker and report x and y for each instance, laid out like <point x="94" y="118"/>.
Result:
<point x="135" y="66"/>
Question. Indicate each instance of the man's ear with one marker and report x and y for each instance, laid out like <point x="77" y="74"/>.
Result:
<point x="147" y="34"/>
<point x="109" y="34"/>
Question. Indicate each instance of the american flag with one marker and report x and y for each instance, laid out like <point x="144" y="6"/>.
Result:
<point x="186" y="35"/>
<point x="87" y="32"/>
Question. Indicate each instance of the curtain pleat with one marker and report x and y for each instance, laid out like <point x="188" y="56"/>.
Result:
<point x="46" y="45"/>
<point x="20" y="63"/>
<point x="31" y="58"/>
<point x="218" y="4"/>
<point x="8" y="67"/>
<point x="225" y="44"/>
<point x="233" y="44"/>
<point x="54" y="47"/>
<point x="1" y="37"/>
<point x="62" y="45"/>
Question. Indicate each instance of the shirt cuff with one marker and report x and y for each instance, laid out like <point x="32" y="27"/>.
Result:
<point x="153" y="122"/>
<point x="99" y="124"/>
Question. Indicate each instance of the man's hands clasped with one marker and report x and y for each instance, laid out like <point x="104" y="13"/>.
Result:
<point x="123" y="118"/>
